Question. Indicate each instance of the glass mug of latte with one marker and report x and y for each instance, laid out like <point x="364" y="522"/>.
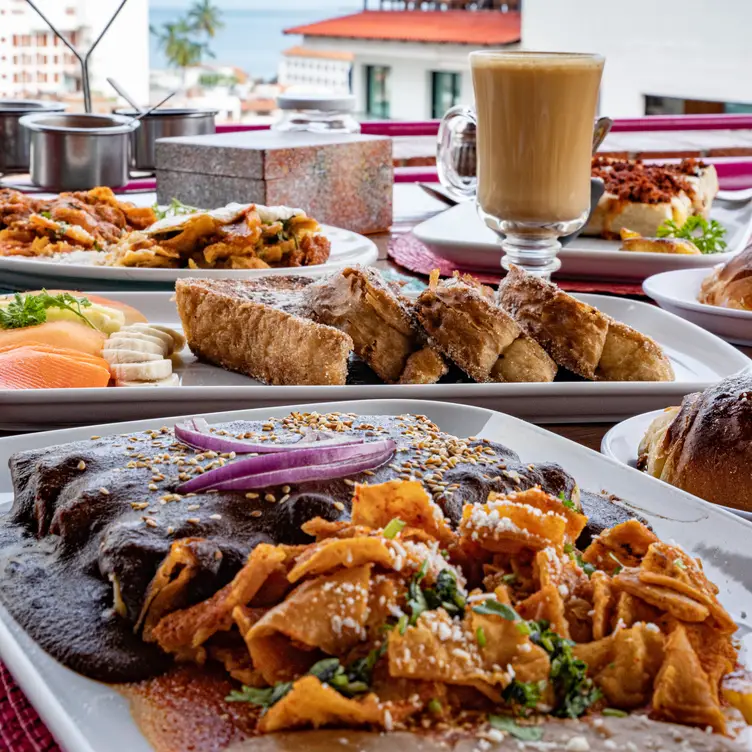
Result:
<point x="534" y="114"/>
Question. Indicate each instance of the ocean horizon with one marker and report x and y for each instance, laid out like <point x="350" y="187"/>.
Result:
<point x="252" y="40"/>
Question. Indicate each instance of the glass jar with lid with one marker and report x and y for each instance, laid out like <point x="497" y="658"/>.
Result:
<point x="317" y="113"/>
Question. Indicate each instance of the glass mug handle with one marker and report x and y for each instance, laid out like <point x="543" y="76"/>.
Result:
<point x="456" y="153"/>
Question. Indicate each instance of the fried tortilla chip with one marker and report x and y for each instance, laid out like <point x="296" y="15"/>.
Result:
<point x="441" y="649"/>
<point x="625" y="664"/>
<point x="683" y="693"/>
<point x="539" y="499"/>
<point x="333" y="553"/>
<point x="167" y="590"/>
<point x="191" y="627"/>
<point x="680" y="606"/>
<point x="326" y="614"/>
<point x="313" y="704"/>
<point x="509" y="527"/>
<point x="377" y="505"/>
<point x="623" y="545"/>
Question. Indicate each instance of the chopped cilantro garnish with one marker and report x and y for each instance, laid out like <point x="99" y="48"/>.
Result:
<point x="444" y="594"/>
<point x="435" y="707"/>
<point x="402" y="623"/>
<point x="394" y="528"/>
<point x="573" y="689"/>
<point x="265" y="697"/>
<point x="568" y="548"/>
<point x="509" y="579"/>
<point x="524" y="694"/>
<point x="679" y="564"/>
<point x="510" y="726"/>
<point x="615" y="712"/>
<point x="491" y="607"/>
<point x="174" y="209"/>
<point x="619" y="566"/>
<point x="46" y="214"/>
<point x="480" y="636"/>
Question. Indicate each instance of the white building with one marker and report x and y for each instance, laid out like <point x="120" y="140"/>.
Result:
<point x="35" y="63"/>
<point x="404" y="65"/>
<point x="672" y="56"/>
<point x="319" y="69"/>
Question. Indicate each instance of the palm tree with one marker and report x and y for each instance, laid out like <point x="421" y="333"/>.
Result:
<point x="205" y="18"/>
<point x="178" y="46"/>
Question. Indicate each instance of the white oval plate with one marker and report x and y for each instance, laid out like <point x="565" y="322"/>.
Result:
<point x="23" y="273"/>
<point x="622" y="442"/>
<point x="677" y="292"/>
<point x="460" y="236"/>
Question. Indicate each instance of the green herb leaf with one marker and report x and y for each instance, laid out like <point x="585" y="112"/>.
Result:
<point x="509" y="579"/>
<point x="402" y="624"/>
<point x="265" y="697"/>
<point x="46" y="214"/>
<point x="706" y="235"/>
<point x="510" y="726"/>
<point x="524" y="694"/>
<point x="614" y="712"/>
<point x="679" y="564"/>
<point x="573" y="689"/>
<point x="491" y="607"/>
<point x="394" y="528"/>
<point x="31" y="310"/>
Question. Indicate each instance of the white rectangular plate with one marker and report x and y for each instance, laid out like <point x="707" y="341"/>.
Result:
<point x="86" y="716"/>
<point x="459" y="235"/>
<point x="699" y="359"/>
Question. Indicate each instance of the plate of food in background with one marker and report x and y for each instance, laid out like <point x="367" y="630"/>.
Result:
<point x="651" y="218"/>
<point x="534" y="350"/>
<point x="702" y="445"/>
<point x="719" y="301"/>
<point x="93" y="240"/>
<point x="422" y="575"/>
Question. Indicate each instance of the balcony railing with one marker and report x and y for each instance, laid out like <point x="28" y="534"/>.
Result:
<point x="504" y="6"/>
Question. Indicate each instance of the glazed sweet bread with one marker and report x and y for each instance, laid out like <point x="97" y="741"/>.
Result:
<point x="705" y="446"/>
<point x="730" y="285"/>
<point x="579" y="337"/>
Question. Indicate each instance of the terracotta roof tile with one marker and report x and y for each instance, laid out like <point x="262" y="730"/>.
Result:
<point x="448" y="27"/>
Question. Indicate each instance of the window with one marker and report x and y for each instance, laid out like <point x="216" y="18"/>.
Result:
<point x="446" y="92"/>
<point x="377" y="91"/>
<point x="674" y="106"/>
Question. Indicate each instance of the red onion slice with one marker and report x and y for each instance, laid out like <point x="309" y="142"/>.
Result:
<point x="316" y="462"/>
<point x="195" y="433"/>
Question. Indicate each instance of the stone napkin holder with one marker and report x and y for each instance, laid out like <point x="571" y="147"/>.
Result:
<point x="345" y="181"/>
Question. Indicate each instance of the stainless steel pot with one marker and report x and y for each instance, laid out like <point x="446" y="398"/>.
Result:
<point x="165" y="123"/>
<point x="15" y="140"/>
<point x="76" y="152"/>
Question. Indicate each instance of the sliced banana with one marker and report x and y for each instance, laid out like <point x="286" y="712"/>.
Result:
<point x="151" y="331"/>
<point x="155" y="370"/>
<point x="172" y="380"/>
<point x="129" y="356"/>
<point x="135" y="343"/>
<point x="177" y="337"/>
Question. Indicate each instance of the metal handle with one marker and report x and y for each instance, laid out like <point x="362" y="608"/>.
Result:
<point x="460" y="186"/>
<point x="85" y="59"/>
<point x="124" y="94"/>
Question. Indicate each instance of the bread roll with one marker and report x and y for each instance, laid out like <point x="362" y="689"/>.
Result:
<point x="730" y="285"/>
<point x="580" y="337"/>
<point x="705" y="446"/>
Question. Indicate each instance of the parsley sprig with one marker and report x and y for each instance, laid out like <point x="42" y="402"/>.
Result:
<point x="706" y="235"/>
<point x="31" y="310"/>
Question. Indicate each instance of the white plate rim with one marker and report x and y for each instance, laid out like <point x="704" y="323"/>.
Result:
<point x="660" y="294"/>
